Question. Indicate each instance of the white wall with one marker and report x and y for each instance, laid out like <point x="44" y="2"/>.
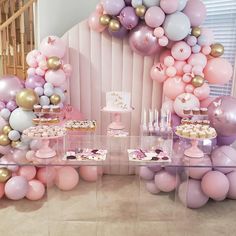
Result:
<point x="55" y="17"/>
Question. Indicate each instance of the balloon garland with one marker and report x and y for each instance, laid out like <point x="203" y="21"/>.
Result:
<point x="190" y="59"/>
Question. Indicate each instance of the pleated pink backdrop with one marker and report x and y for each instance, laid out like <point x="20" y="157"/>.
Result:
<point x="101" y="64"/>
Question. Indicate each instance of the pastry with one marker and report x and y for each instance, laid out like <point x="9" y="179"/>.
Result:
<point x="196" y="111"/>
<point x="204" y="111"/>
<point x="37" y="108"/>
<point x="46" y="109"/>
<point x="187" y="111"/>
<point x="56" y="109"/>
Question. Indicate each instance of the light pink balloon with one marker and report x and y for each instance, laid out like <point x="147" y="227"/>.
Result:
<point x="67" y="178"/>
<point x="39" y="71"/>
<point x="29" y="172"/>
<point x="36" y="190"/>
<point x="163" y="41"/>
<point x="202" y="92"/>
<point x="164" y="54"/>
<point x="196" y="12"/>
<point x="206" y="102"/>
<point x="16" y="188"/>
<point x="159" y="32"/>
<point x="206" y="50"/>
<point x="215" y="185"/>
<point x="145" y="173"/>
<point x="187" y="77"/>
<point x="46" y="175"/>
<point x="189" y="88"/>
<point x="171" y="71"/>
<point x="173" y="87"/>
<point x="67" y="68"/>
<point x="53" y="46"/>
<point x="5" y="149"/>
<point x="19" y="156"/>
<point x="12" y="166"/>
<point x="166" y="182"/>
<point x="197" y="59"/>
<point x="30" y="155"/>
<point x="89" y="173"/>
<point x="181" y="51"/>
<point x="169" y="61"/>
<point x="154" y="17"/>
<point x="94" y="22"/>
<point x="31" y="61"/>
<point x="31" y="71"/>
<point x="179" y="65"/>
<point x="208" y="35"/>
<point x="2" y="192"/>
<point x="56" y="78"/>
<point x="152" y="188"/>
<point x="218" y="71"/>
<point x="169" y="6"/>
<point x="232" y="185"/>
<point x="158" y="72"/>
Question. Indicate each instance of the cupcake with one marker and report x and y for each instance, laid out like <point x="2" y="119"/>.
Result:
<point x="187" y="111"/>
<point x="46" y="109"/>
<point x="196" y="111"/>
<point x="37" y="108"/>
<point x="206" y="122"/>
<point x="184" y="121"/>
<point x="204" y="111"/>
<point x="56" y="109"/>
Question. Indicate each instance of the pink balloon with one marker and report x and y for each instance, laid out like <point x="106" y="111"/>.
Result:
<point x="19" y="156"/>
<point x="30" y="155"/>
<point x="215" y="185"/>
<point x="67" y="68"/>
<point x="36" y="190"/>
<point x="53" y="46"/>
<point x="143" y="41"/>
<point x="232" y="185"/>
<point x="5" y="149"/>
<point x="29" y="172"/>
<point x="179" y="65"/>
<point x="152" y="188"/>
<point x="67" y="178"/>
<point x="218" y="71"/>
<point x="145" y="173"/>
<point x="2" y="186"/>
<point x="191" y="194"/>
<point x="159" y="32"/>
<point x="31" y="61"/>
<point x="206" y="102"/>
<point x="164" y="54"/>
<point x="163" y="41"/>
<point x="56" y="78"/>
<point x="46" y="175"/>
<point x="9" y="87"/>
<point x="196" y="12"/>
<point x="202" y="92"/>
<point x="169" y="6"/>
<point x="154" y="17"/>
<point x="94" y="22"/>
<point x="31" y="72"/>
<point x="197" y="59"/>
<point x="206" y="50"/>
<point x="173" y="87"/>
<point x="16" y="188"/>
<point x="187" y="68"/>
<point x="158" y="72"/>
<point x="40" y="72"/>
<point x="89" y="173"/>
<point x="181" y="51"/>
<point x="171" y="71"/>
<point x="166" y="182"/>
<point x="169" y="61"/>
<point x="189" y="88"/>
<point x="12" y="166"/>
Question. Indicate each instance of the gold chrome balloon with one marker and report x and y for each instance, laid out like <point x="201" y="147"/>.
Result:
<point x="5" y="175"/>
<point x="114" y="25"/>
<point x="26" y="99"/>
<point x="4" y="140"/>
<point x="197" y="81"/>
<point x="15" y="144"/>
<point x="140" y="10"/>
<point x="217" y="50"/>
<point x="54" y="63"/>
<point x="196" y="31"/>
<point x="55" y="99"/>
<point x="6" y="129"/>
<point x="105" y="20"/>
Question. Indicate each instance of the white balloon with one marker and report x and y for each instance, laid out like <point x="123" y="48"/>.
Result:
<point x="136" y="3"/>
<point x="182" y="5"/>
<point x="48" y="92"/>
<point x="151" y="3"/>
<point x="5" y="113"/>
<point x="44" y="101"/>
<point x="177" y="26"/>
<point x="39" y="91"/>
<point x="14" y="135"/>
<point x="21" y="120"/>
<point x="48" y="85"/>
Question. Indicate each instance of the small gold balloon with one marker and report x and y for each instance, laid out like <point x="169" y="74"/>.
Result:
<point x="140" y="10"/>
<point x="15" y="144"/>
<point x="55" y="99"/>
<point x="105" y="20"/>
<point x="4" y="140"/>
<point x="5" y="174"/>
<point x="197" y="81"/>
<point x="26" y="99"/>
<point x="217" y="50"/>
<point x="6" y="129"/>
<point x="114" y="25"/>
<point x="54" y="63"/>
<point x="196" y="31"/>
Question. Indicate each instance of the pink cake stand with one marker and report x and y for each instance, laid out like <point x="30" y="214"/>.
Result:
<point x="194" y="151"/>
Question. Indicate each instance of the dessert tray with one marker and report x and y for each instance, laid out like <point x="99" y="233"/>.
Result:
<point x="81" y="125"/>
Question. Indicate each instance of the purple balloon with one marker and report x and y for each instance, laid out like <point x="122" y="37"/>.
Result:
<point x="142" y="41"/>
<point x="9" y="87"/>
<point x="128" y="18"/>
<point x="145" y="173"/>
<point x="225" y="140"/>
<point x="113" y="7"/>
<point x="191" y="194"/>
<point x="121" y="33"/>
<point x="222" y="115"/>
<point x="34" y="81"/>
<point x="11" y="105"/>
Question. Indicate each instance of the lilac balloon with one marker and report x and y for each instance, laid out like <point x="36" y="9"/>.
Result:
<point x="142" y="41"/>
<point x="145" y="173"/>
<point x="191" y="194"/>
<point x="34" y="81"/>
<point x="112" y="7"/>
<point x="16" y="188"/>
<point x="9" y="87"/>
<point x="2" y="105"/>
<point x="151" y="187"/>
<point x="154" y="17"/>
<point x="11" y="105"/>
<point x="225" y="140"/>
<point x="222" y="115"/>
<point x="121" y="33"/>
<point x="128" y="18"/>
